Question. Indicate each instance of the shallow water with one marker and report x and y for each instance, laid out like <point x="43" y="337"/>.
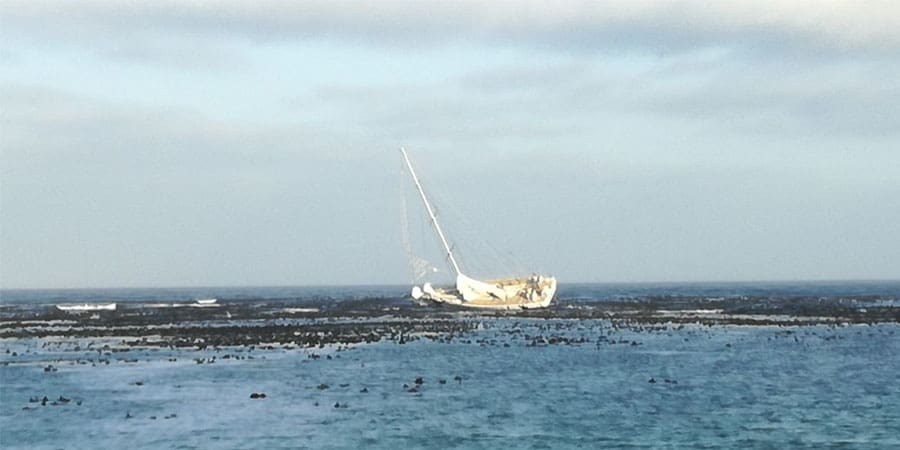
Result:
<point x="728" y="386"/>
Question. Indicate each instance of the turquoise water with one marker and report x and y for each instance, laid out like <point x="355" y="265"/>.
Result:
<point x="728" y="386"/>
<point x="512" y="383"/>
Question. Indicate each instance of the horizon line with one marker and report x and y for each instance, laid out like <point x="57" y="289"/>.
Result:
<point x="386" y="285"/>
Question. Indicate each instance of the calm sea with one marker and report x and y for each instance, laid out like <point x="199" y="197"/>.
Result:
<point x="719" y="386"/>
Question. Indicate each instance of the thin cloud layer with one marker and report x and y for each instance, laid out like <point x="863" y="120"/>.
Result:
<point x="829" y="26"/>
<point x="633" y="141"/>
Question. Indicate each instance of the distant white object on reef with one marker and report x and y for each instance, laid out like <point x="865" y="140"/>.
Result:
<point x="205" y="303"/>
<point x="84" y="307"/>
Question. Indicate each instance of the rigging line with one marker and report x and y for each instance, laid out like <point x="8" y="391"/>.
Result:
<point x="490" y="256"/>
<point x="452" y="254"/>
<point x="404" y="227"/>
<point x="418" y="266"/>
<point x="434" y="221"/>
<point x="461" y="229"/>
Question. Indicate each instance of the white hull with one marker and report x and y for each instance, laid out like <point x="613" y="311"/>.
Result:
<point x="509" y="294"/>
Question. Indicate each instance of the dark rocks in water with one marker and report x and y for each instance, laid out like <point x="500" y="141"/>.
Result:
<point x="670" y="381"/>
<point x="62" y="399"/>
<point x="343" y="385"/>
<point x="44" y="401"/>
<point x="171" y="416"/>
<point x="137" y="383"/>
<point x="33" y="400"/>
<point x="377" y="320"/>
<point x="152" y="417"/>
<point x="419" y="381"/>
<point x="316" y="404"/>
<point x="413" y="390"/>
<point x="651" y="380"/>
<point x="405" y="386"/>
<point x="128" y="415"/>
<point x="364" y="390"/>
<point x="322" y="386"/>
<point x="442" y="381"/>
<point x="257" y="395"/>
<point x="340" y="405"/>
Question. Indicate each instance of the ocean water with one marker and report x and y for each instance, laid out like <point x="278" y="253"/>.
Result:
<point x="568" y="292"/>
<point x="587" y="384"/>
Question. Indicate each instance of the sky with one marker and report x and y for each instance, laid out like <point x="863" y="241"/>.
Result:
<point x="255" y="143"/>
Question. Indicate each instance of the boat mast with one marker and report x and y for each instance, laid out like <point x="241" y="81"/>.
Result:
<point x="434" y="221"/>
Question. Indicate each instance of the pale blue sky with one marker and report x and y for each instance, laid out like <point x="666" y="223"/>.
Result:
<point x="233" y="143"/>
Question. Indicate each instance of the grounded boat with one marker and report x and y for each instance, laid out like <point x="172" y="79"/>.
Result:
<point x="536" y="291"/>
<point x="84" y="307"/>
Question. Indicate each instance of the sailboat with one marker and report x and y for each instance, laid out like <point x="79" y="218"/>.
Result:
<point x="530" y="292"/>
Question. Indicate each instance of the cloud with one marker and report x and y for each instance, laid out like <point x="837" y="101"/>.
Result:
<point x="178" y="53"/>
<point x="49" y="131"/>
<point x="682" y="116"/>
<point x="99" y="192"/>
<point x="754" y="67"/>
<point x="805" y="26"/>
<point x="711" y="92"/>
